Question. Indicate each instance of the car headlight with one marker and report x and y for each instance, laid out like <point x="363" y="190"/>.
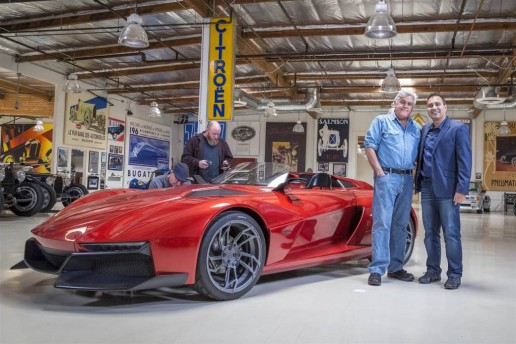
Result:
<point x="2" y="175"/>
<point x="50" y="180"/>
<point x="20" y="175"/>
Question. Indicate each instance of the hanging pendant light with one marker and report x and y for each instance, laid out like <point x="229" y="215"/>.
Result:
<point x="270" y="110"/>
<point x="298" y="127"/>
<point x="39" y="125"/>
<point x="380" y="25"/>
<point x="133" y="34"/>
<point x="72" y="85"/>
<point x="504" y="127"/>
<point x="154" y="110"/>
<point x="390" y="84"/>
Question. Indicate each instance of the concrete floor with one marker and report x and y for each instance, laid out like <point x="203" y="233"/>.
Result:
<point x="331" y="304"/>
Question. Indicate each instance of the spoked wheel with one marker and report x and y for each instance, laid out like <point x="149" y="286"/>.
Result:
<point x="49" y="198"/>
<point x="411" y="239"/>
<point x="28" y="199"/>
<point x="231" y="257"/>
<point x="72" y="193"/>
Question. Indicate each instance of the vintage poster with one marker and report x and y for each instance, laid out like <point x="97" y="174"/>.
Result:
<point x="499" y="158"/>
<point x="20" y="143"/>
<point x="86" y="121"/>
<point x="332" y="139"/>
<point x="116" y="130"/>
<point x="148" y="150"/>
<point x="284" y="146"/>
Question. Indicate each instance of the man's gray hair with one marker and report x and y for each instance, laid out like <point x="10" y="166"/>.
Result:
<point x="405" y="93"/>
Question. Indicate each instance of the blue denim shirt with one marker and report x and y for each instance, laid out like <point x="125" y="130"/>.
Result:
<point x="395" y="145"/>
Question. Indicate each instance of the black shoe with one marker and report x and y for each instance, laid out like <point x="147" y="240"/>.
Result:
<point x="402" y="275"/>
<point x="429" y="277"/>
<point x="452" y="283"/>
<point x="374" y="279"/>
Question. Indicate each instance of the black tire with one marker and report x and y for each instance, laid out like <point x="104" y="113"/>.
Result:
<point x="28" y="199"/>
<point x="72" y="193"/>
<point x="49" y="198"/>
<point x="487" y="204"/>
<point x="2" y="200"/>
<point x="479" y="211"/>
<point x="231" y="257"/>
<point x="411" y="241"/>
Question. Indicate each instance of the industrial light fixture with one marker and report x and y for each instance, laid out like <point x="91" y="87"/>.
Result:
<point x="270" y="110"/>
<point x="381" y="25"/>
<point x="72" y="85"/>
<point x="390" y="84"/>
<point x="133" y="34"/>
<point x="298" y="127"/>
<point x="504" y="127"/>
<point x="39" y="125"/>
<point x="154" y="111"/>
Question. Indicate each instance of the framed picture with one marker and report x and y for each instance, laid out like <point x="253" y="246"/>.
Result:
<point x="93" y="182"/>
<point x="323" y="167"/>
<point x="62" y="157"/>
<point x="93" y="162"/>
<point x="339" y="170"/>
<point x="115" y="161"/>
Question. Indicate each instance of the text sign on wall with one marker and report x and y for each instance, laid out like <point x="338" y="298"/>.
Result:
<point x="220" y="74"/>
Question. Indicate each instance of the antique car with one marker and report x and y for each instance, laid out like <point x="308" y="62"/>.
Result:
<point x="21" y="193"/>
<point x="509" y="158"/>
<point x="477" y="199"/>
<point x="64" y="185"/>
<point x="253" y="220"/>
<point x="86" y="114"/>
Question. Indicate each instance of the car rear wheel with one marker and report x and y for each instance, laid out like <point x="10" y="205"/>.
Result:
<point x="231" y="257"/>
<point x="411" y="239"/>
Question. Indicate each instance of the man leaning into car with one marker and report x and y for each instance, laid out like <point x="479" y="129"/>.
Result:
<point x="391" y="145"/>
<point x="178" y="176"/>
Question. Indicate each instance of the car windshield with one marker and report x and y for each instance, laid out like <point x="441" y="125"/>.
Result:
<point x="255" y="173"/>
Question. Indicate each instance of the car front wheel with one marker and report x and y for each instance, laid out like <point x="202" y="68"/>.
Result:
<point x="231" y="257"/>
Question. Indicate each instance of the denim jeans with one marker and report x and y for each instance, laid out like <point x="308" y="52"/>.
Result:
<point x="391" y="212"/>
<point x="437" y="213"/>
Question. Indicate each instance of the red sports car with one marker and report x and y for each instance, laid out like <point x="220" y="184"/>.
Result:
<point x="256" y="219"/>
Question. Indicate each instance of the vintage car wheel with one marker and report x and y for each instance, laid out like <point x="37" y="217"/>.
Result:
<point x="9" y="158"/>
<point x="411" y="240"/>
<point x="231" y="257"/>
<point x="88" y="118"/>
<point x="28" y="199"/>
<point x="2" y="200"/>
<point x="486" y="204"/>
<point x="49" y="198"/>
<point x="73" y="193"/>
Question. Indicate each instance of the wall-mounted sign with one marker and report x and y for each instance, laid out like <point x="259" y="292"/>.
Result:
<point x="243" y="133"/>
<point x="221" y="69"/>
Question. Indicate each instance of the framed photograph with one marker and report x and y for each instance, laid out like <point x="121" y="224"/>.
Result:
<point x="115" y="161"/>
<point x="93" y="162"/>
<point x="323" y="167"/>
<point x="62" y="157"/>
<point x="339" y="170"/>
<point x="93" y="183"/>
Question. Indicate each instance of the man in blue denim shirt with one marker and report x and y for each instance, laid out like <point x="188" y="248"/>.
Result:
<point x="391" y="146"/>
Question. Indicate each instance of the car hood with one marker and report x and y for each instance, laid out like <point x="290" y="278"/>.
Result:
<point x="109" y="217"/>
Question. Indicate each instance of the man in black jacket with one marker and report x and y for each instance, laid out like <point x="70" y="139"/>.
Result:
<point x="207" y="154"/>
